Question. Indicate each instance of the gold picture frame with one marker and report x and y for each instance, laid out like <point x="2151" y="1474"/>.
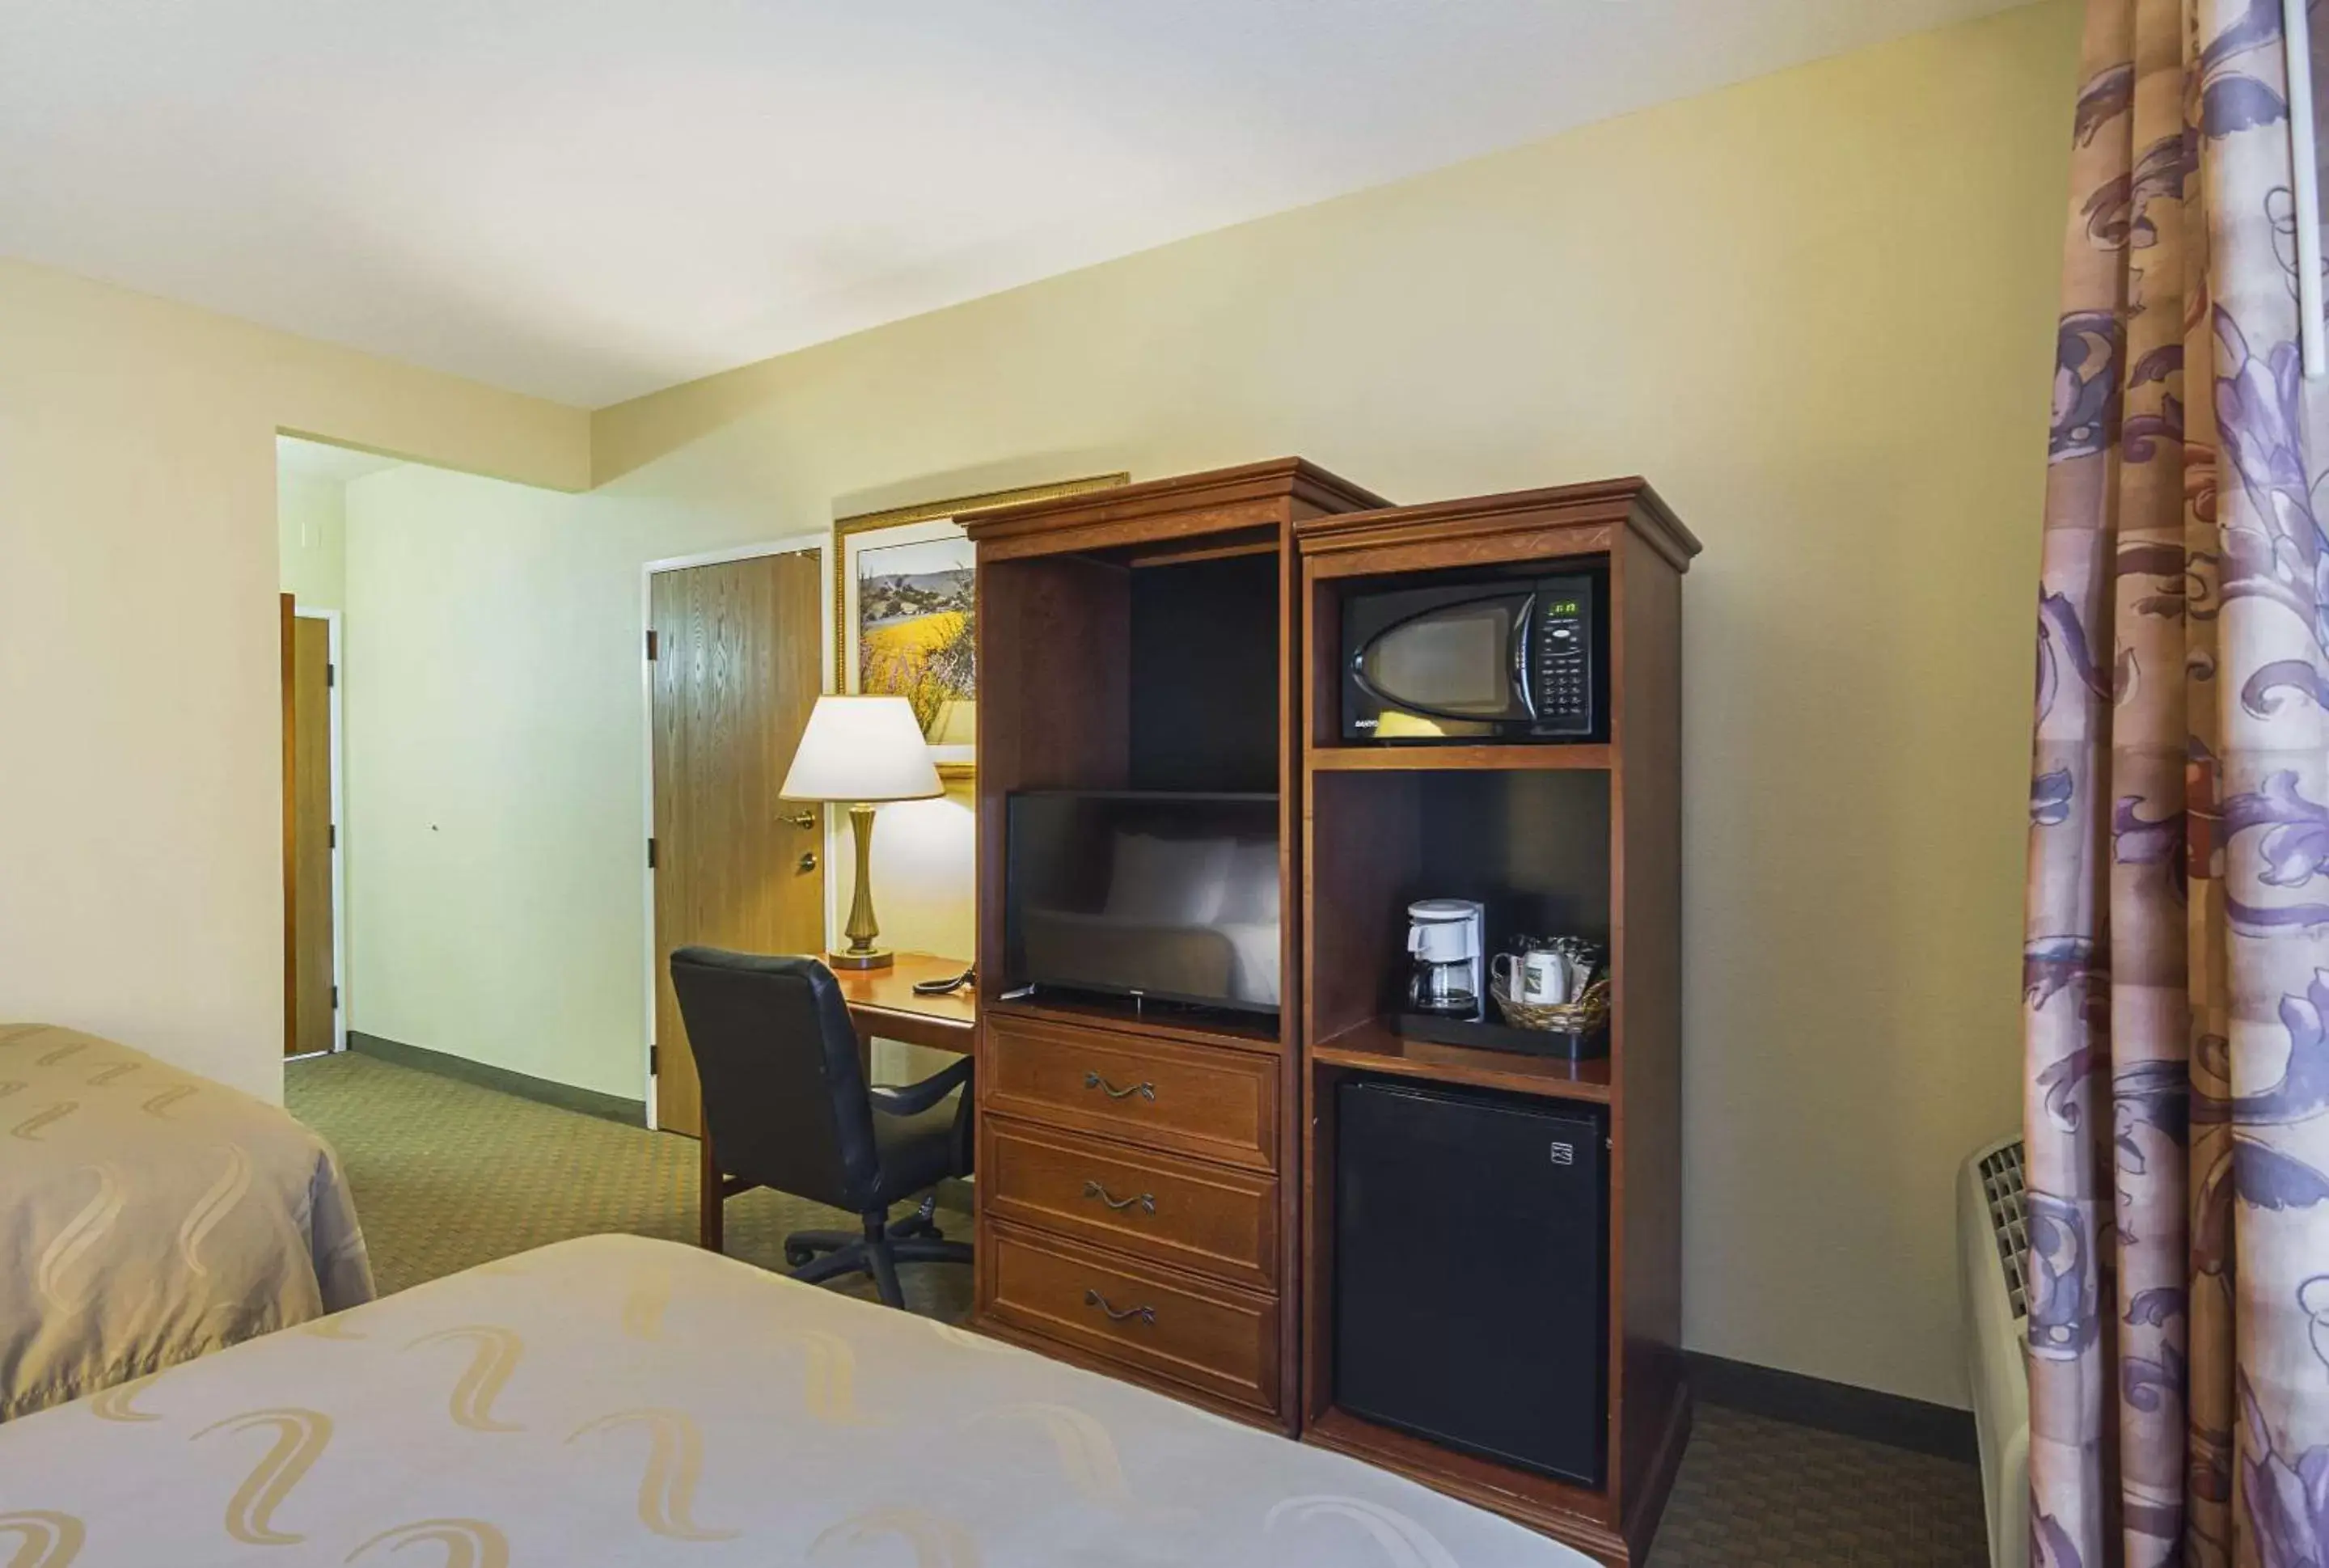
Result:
<point x="928" y="531"/>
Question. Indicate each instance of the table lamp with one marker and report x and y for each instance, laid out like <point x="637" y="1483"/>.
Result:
<point x="861" y="752"/>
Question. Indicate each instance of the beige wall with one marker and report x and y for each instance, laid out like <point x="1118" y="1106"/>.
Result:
<point x="494" y="846"/>
<point x="140" y="796"/>
<point x="311" y="526"/>
<point x="1817" y="309"/>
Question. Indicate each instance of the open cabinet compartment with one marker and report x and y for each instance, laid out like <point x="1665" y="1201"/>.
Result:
<point x="1531" y="848"/>
<point x="1138" y="672"/>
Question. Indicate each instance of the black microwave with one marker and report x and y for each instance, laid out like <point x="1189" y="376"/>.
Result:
<point x="1509" y="659"/>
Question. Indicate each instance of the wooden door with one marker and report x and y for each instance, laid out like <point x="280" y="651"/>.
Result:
<point x="736" y="650"/>
<point x="310" y="838"/>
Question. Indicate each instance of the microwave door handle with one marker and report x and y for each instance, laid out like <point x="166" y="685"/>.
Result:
<point x="1523" y="625"/>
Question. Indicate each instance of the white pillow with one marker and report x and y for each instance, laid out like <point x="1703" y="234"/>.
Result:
<point x="1166" y="882"/>
<point x="1250" y="897"/>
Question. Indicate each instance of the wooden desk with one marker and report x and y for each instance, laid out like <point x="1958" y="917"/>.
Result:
<point x="882" y="1003"/>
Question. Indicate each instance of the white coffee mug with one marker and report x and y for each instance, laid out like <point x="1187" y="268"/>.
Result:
<point x="1535" y="976"/>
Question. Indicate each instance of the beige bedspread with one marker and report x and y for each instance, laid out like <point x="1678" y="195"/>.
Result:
<point x="620" y="1399"/>
<point x="147" y="1216"/>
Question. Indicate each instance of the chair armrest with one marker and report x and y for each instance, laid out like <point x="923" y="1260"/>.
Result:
<point x="919" y="1097"/>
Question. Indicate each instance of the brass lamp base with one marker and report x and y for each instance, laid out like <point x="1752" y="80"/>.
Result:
<point x="861" y="953"/>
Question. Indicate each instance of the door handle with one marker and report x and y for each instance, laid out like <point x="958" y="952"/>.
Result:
<point x="1094" y="1080"/>
<point x="808" y="862"/>
<point x="1094" y="1298"/>
<point x="1147" y="1200"/>
<point x="801" y="819"/>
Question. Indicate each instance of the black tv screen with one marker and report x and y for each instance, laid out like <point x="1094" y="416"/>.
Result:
<point x="1168" y="896"/>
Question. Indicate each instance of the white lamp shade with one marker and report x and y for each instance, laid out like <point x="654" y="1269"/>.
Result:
<point x="862" y="749"/>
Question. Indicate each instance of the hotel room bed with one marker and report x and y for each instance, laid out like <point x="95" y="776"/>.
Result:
<point x="620" y="1400"/>
<point x="148" y="1215"/>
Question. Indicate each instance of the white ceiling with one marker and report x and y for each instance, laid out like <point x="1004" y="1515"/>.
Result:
<point x="591" y="198"/>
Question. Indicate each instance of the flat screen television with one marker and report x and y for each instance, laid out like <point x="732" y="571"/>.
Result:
<point x="1143" y="894"/>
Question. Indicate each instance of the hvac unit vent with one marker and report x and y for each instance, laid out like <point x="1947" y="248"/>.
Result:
<point x="1993" y="1259"/>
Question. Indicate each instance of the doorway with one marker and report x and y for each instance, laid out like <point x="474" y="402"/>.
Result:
<point x="735" y="651"/>
<point x="314" y="1016"/>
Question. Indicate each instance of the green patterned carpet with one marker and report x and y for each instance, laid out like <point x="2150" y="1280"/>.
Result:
<point x="1765" y="1494"/>
<point x="447" y="1174"/>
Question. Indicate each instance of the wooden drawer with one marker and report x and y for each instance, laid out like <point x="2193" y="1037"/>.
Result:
<point x="1198" y="1100"/>
<point x="1205" y="1218"/>
<point x="1170" y="1325"/>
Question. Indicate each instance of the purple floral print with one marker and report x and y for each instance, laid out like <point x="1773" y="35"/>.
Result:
<point x="2176" y="966"/>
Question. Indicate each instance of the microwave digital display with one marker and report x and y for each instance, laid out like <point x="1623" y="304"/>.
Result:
<point x="1505" y="658"/>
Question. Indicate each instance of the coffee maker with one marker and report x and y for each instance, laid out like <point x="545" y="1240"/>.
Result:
<point x="1447" y="937"/>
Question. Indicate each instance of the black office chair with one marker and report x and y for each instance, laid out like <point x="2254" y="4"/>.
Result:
<point x="786" y="1105"/>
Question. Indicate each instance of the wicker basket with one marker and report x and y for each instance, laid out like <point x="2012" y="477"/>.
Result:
<point x="1584" y="1016"/>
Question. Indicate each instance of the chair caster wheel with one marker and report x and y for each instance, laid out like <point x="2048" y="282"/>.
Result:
<point x="799" y="1257"/>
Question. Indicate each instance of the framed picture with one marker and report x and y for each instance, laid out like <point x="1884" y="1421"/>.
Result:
<point x="905" y="612"/>
<point x="908" y="615"/>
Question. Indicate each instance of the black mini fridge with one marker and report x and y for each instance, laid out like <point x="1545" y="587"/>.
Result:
<point x="1471" y="1292"/>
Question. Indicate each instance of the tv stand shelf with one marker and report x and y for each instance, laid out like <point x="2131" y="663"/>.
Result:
<point x="1373" y="1047"/>
<point x="1468" y="758"/>
<point x="1163" y="1023"/>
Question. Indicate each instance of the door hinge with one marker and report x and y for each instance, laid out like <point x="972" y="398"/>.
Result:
<point x="651" y="642"/>
<point x="655" y="1059"/>
<point x="331" y="675"/>
<point x="336" y="998"/>
<point x="332" y="837"/>
<point x="651" y="854"/>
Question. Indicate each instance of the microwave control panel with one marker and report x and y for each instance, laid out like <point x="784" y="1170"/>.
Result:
<point x="1562" y="683"/>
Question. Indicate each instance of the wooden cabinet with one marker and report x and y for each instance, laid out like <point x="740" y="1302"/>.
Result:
<point x="1156" y="1188"/>
<point x="1137" y="1170"/>
<point x="1592" y="831"/>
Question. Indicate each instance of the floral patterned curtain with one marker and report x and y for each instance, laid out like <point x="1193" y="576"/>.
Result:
<point x="2176" y="970"/>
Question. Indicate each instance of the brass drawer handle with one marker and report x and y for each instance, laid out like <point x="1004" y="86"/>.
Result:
<point x="1094" y="1080"/>
<point x="1145" y="1314"/>
<point x="1147" y="1200"/>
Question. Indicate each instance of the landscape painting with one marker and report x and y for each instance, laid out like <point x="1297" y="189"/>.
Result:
<point x="909" y="626"/>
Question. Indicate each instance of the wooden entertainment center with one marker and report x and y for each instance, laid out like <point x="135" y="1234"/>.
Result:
<point x="1140" y="1178"/>
<point x="1156" y="1186"/>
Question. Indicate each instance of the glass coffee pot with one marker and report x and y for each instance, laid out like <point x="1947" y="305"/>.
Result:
<point x="1446" y="942"/>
